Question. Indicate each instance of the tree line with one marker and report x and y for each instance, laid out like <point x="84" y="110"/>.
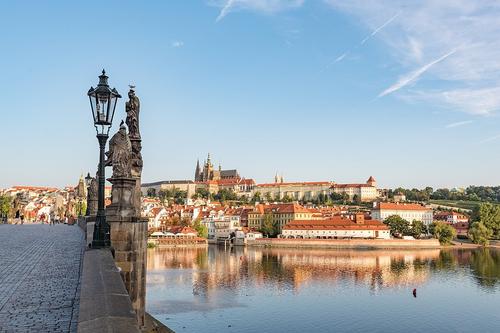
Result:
<point x="471" y="193"/>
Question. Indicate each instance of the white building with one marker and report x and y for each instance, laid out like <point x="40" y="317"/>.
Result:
<point x="364" y="192"/>
<point x="155" y="215"/>
<point x="407" y="211"/>
<point x="294" y="191"/>
<point x="451" y="217"/>
<point x="226" y="225"/>
<point x="209" y="223"/>
<point x="336" y="227"/>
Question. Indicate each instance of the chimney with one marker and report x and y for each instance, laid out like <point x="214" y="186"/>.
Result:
<point x="359" y="218"/>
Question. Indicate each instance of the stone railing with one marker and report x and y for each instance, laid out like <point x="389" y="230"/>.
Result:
<point x="105" y="305"/>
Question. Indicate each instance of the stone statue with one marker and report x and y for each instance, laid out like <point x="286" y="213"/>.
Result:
<point x="136" y="158"/>
<point x="120" y="153"/>
<point x="132" y="107"/>
<point x="92" y="198"/>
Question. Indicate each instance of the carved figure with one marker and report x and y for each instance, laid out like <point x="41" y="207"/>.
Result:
<point x="120" y="153"/>
<point x="132" y="107"/>
<point x="92" y="204"/>
<point x="136" y="158"/>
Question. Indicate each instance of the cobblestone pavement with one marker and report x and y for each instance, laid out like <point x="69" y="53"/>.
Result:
<point x="40" y="277"/>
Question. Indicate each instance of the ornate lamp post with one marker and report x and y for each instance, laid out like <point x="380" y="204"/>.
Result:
<point x="103" y="103"/>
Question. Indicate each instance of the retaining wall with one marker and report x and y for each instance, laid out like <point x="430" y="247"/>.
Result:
<point x="345" y="243"/>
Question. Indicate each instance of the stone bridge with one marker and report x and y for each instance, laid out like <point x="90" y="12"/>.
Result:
<point x="50" y="282"/>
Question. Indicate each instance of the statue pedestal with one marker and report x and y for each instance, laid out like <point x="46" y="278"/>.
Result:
<point x="129" y="241"/>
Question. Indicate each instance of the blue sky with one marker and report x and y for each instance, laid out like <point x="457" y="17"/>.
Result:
<point x="406" y="91"/>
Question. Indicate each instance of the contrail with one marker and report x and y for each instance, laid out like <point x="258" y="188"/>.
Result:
<point x="225" y="10"/>
<point x="403" y="81"/>
<point x="374" y="32"/>
<point x="458" y="123"/>
<point x="490" y="139"/>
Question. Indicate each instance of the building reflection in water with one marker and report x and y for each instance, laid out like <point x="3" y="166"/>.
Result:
<point x="290" y="269"/>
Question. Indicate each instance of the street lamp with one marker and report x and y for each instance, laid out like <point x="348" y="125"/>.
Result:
<point x="103" y="103"/>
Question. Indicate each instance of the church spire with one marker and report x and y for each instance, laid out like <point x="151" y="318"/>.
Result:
<point x="197" y="171"/>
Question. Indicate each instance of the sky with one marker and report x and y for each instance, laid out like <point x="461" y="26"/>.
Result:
<point x="318" y="90"/>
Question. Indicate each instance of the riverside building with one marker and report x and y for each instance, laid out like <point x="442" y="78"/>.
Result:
<point x="281" y="214"/>
<point x="336" y="227"/>
<point x="408" y="211"/>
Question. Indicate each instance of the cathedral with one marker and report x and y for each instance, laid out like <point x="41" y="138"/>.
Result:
<point x="208" y="173"/>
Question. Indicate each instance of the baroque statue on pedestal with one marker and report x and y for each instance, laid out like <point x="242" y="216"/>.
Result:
<point x="120" y="153"/>
<point x="132" y="107"/>
<point x="92" y="204"/>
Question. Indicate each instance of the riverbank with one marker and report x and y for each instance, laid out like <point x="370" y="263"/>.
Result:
<point x="346" y="243"/>
<point x="467" y="244"/>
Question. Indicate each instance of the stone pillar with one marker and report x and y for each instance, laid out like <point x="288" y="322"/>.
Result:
<point x="129" y="241"/>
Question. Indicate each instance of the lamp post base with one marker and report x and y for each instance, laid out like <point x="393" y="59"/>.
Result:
<point x="100" y="238"/>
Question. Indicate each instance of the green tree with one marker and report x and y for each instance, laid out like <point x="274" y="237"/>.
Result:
<point x="286" y="198"/>
<point x="479" y="233"/>
<point x="489" y="215"/>
<point x="398" y="226"/>
<point x="224" y="195"/>
<point x="5" y="205"/>
<point x="151" y="192"/>
<point x="267" y="196"/>
<point x="257" y="197"/>
<point x="356" y="199"/>
<point x="444" y="232"/>
<point x="202" y="193"/>
<point x="163" y="195"/>
<point x="200" y="228"/>
<point x="179" y="196"/>
<point x="418" y="228"/>
<point x="268" y="226"/>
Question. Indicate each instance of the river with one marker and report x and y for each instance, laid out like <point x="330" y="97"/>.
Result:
<point x="287" y="290"/>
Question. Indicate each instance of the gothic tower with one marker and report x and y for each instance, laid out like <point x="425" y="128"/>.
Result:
<point x="208" y="169"/>
<point x="197" y="172"/>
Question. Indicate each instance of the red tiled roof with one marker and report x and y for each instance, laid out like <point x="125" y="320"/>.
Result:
<point x="400" y="206"/>
<point x="350" y="185"/>
<point x="285" y="208"/>
<point x="182" y="230"/>
<point x="335" y="222"/>
<point x="35" y="188"/>
<point x="294" y="184"/>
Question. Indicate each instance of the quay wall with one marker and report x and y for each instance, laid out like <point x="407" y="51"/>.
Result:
<point x="346" y="243"/>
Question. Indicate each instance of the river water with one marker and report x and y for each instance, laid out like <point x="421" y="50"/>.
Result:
<point x="296" y="290"/>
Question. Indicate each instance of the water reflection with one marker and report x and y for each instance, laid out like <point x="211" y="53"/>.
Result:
<point x="219" y="268"/>
<point x="200" y="280"/>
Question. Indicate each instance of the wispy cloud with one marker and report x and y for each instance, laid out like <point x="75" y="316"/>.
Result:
<point x="412" y="76"/>
<point x="493" y="138"/>
<point x="374" y="32"/>
<point x="177" y="43"/>
<point x="458" y="123"/>
<point x="428" y="29"/>
<point x="263" y="6"/>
